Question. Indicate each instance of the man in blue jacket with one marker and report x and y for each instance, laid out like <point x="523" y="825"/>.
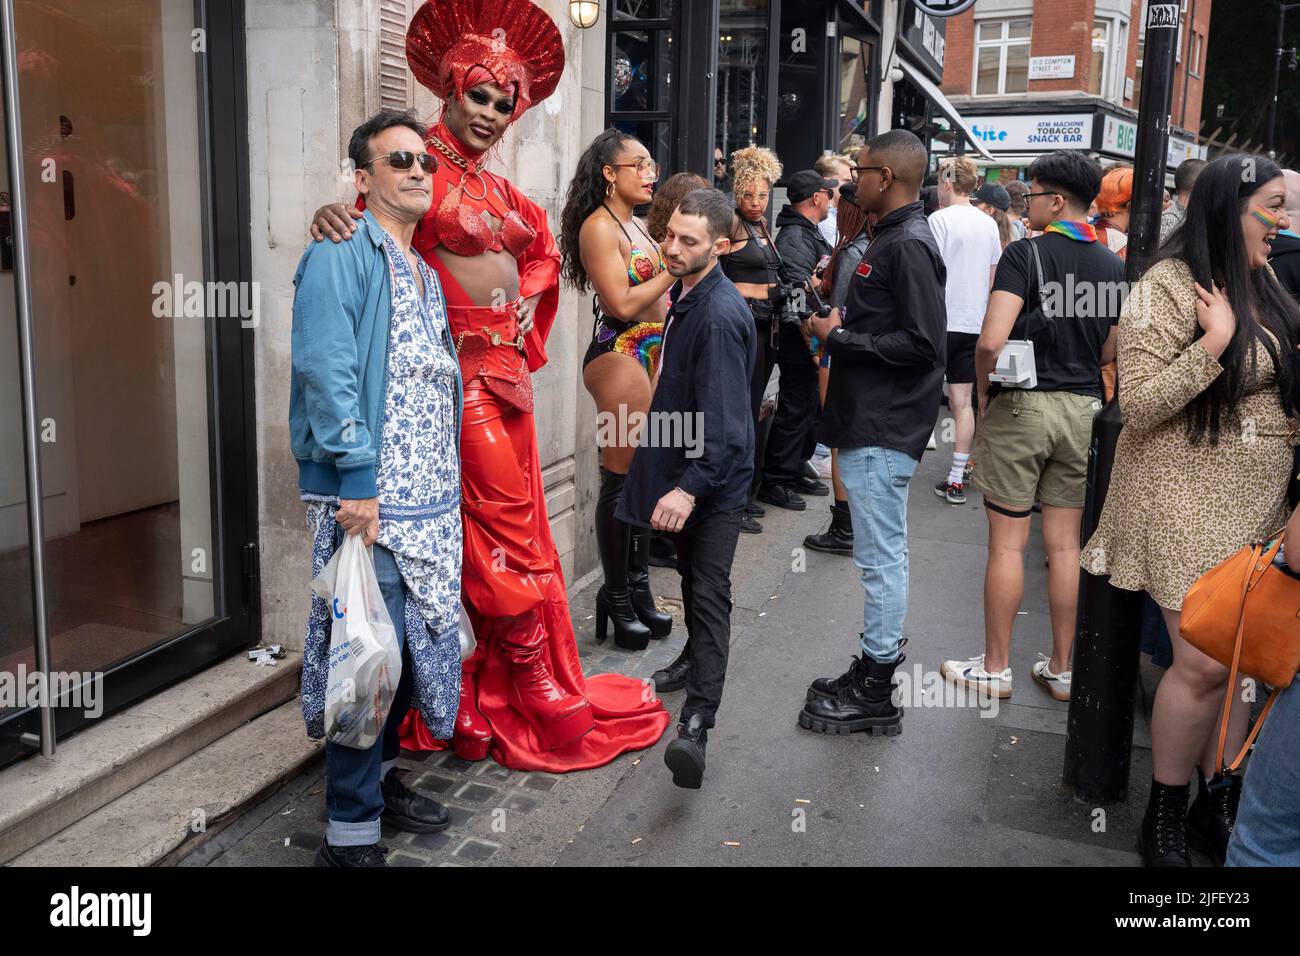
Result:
<point x="374" y="413"/>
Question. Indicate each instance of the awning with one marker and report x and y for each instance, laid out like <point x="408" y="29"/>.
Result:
<point x="932" y="93"/>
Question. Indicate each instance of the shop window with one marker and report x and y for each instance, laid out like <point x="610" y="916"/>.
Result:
<point x="1106" y="62"/>
<point x="643" y="9"/>
<point x="742" y="74"/>
<point x="642" y="67"/>
<point x="1002" y="56"/>
<point x="855" y="94"/>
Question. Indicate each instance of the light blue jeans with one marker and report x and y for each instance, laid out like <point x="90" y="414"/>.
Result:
<point x="876" y="480"/>
<point x="1267" y="832"/>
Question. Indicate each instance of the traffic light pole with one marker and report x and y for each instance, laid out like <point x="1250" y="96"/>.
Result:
<point x="1283" y="9"/>
<point x="1099" y="737"/>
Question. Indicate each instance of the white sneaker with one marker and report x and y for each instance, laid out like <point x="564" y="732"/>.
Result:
<point x="971" y="673"/>
<point x="1058" y="685"/>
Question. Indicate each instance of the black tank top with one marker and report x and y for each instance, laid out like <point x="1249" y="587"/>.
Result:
<point x="754" y="262"/>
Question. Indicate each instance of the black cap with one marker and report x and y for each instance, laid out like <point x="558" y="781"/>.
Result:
<point x="993" y="194"/>
<point x="849" y="191"/>
<point x="807" y="183"/>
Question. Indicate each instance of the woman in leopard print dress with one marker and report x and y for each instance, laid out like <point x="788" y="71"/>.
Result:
<point x="1208" y="373"/>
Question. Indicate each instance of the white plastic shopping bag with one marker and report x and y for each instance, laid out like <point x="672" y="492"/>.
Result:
<point x="365" y="661"/>
<point x="467" y="640"/>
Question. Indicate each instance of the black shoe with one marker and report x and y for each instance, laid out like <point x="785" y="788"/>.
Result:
<point x="1162" y="840"/>
<point x="408" y="810"/>
<point x="828" y="688"/>
<point x="672" y="677"/>
<point x="838" y="539"/>
<point x="811" y="486"/>
<point x="638" y="586"/>
<point x="1213" y="814"/>
<point x="864" y="703"/>
<point x="663" y="553"/>
<point x="370" y="855"/>
<point x="782" y="497"/>
<point x="615" y="608"/>
<point x="685" y="755"/>
<point x="755" y="510"/>
<point x="750" y="525"/>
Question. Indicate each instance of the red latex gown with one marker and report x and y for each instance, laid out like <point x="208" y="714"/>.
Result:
<point x="511" y="569"/>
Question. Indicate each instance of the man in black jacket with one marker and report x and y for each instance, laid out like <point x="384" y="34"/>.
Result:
<point x="696" y="486"/>
<point x="887" y="362"/>
<point x="791" y="442"/>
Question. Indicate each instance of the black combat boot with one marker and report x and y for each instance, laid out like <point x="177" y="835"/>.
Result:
<point x="613" y="540"/>
<point x="685" y="755"/>
<point x="828" y="687"/>
<point x="1213" y="814"/>
<point x="863" y="702"/>
<point x="838" y="539"/>
<point x="1162" y="841"/>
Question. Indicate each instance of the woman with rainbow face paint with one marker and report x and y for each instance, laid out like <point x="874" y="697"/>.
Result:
<point x="1209" y="386"/>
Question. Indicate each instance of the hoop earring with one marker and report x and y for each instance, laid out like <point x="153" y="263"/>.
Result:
<point x="609" y="191"/>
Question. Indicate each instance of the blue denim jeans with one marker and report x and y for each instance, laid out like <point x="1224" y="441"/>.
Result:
<point x="876" y="480"/>
<point x="352" y="776"/>
<point x="1267" y="832"/>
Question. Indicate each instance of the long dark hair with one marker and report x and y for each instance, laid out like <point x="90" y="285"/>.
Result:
<point x="850" y="220"/>
<point x="586" y="193"/>
<point x="667" y="196"/>
<point x="1210" y="241"/>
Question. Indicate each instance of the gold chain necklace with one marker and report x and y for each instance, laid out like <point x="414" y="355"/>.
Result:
<point x="451" y="154"/>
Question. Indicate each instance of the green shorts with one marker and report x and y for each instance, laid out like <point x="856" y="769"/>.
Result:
<point x="1033" y="445"/>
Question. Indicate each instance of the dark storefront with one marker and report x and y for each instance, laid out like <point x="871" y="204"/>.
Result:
<point x="799" y="76"/>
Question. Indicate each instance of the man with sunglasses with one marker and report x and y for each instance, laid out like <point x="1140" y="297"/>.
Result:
<point x="374" y="416"/>
<point x="887" y="362"/>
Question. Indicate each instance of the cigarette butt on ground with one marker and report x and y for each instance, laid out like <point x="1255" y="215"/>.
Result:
<point x="800" y="800"/>
<point x="636" y="841"/>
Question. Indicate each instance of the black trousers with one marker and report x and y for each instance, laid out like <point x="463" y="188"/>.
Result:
<point x="793" y="435"/>
<point x="764" y="362"/>
<point x="705" y="550"/>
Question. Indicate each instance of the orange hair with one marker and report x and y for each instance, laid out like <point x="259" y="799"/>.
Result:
<point x="1116" y="190"/>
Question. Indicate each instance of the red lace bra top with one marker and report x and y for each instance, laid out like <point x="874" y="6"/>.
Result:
<point x="467" y="193"/>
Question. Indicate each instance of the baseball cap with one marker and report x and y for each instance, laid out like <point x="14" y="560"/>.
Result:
<point x="807" y="183"/>
<point x="993" y="195"/>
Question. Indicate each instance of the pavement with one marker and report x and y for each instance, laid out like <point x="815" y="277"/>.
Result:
<point x="961" y="785"/>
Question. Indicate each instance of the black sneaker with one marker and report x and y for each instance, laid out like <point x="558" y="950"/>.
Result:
<point x="954" y="492"/>
<point x="754" y="509"/>
<point x="685" y="755"/>
<point x="372" y="854"/>
<point x="673" y="677"/>
<point x="750" y="525"/>
<point x="782" y="497"/>
<point x="410" y="811"/>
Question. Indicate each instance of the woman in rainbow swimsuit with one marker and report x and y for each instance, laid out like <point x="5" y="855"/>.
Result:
<point x="606" y="249"/>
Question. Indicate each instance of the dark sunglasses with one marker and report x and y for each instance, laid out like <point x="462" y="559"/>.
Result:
<point x="405" y="159"/>
<point x="856" y="171"/>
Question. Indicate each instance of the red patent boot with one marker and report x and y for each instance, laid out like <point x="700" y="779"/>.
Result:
<point x="556" y="716"/>
<point x="473" y="734"/>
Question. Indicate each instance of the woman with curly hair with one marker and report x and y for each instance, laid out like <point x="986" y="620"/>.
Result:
<point x="606" y="249"/>
<point x="752" y="266"/>
<point x="667" y="198"/>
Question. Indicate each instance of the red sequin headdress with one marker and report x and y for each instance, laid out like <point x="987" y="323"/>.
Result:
<point x="514" y="40"/>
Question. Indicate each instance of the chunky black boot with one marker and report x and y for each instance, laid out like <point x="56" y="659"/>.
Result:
<point x="613" y="539"/>
<point x="373" y="855"/>
<point x="862" y="703"/>
<point x="638" y="585"/>
<point x="1162" y="841"/>
<point x="673" y="677"/>
<point x="838" y="539"/>
<point x="410" y="811"/>
<point x="1213" y="814"/>
<point x="685" y="755"/>
<point x="829" y="687"/>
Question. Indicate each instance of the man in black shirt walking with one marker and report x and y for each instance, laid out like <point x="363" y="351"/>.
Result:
<point x="697" y="488"/>
<point x="887" y="362"/>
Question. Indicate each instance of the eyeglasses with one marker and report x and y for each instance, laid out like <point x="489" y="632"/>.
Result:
<point x="405" y="159"/>
<point x="719" y="162"/>
<point x="1032" y="195"/>
<point x="856" y="171"/>
<point x="644" y="168"/>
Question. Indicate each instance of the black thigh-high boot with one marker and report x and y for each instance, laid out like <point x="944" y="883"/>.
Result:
<point x="638" y="585"/>
<point x="613" y="602"/>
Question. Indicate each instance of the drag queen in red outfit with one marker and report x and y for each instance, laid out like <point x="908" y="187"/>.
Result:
<point x="523" y="695"/>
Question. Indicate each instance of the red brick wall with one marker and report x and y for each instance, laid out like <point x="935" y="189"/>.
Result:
<point x="1062" y="28"/>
